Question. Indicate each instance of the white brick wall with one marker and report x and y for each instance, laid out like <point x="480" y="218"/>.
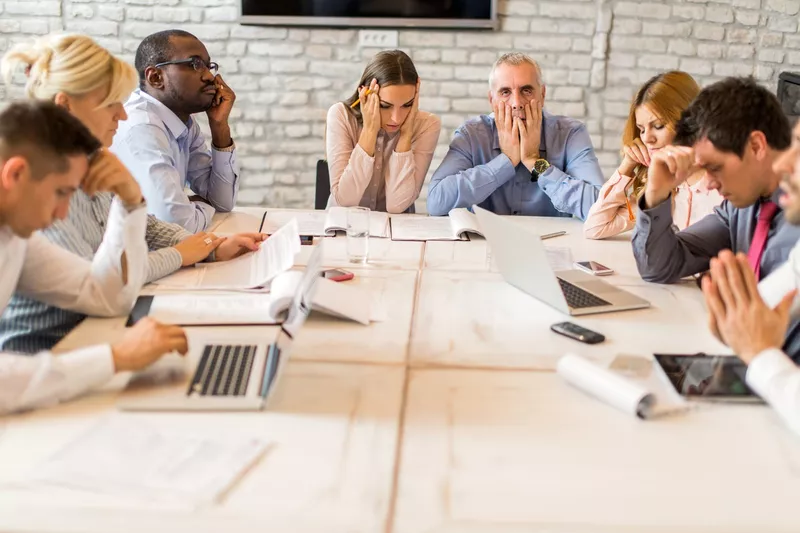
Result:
<point x="594" y="55"/>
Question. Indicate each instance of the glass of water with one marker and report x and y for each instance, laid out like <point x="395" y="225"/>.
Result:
<point x="357" y="234"/>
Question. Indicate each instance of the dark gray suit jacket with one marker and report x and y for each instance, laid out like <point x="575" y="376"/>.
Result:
<point x="664" y="255"/>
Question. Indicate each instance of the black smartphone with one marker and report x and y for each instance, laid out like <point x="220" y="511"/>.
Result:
<point x="579" y="333"/>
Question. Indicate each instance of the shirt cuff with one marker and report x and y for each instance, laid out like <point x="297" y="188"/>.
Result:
<point x="87" y="368"/>
<point x="765" y="367"/>
<point x="658" y="217"/>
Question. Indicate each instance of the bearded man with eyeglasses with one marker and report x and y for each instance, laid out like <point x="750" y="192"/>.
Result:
<point x="161" y="143"/>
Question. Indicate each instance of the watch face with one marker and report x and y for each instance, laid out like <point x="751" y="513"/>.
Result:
<point x="541" y="165"/>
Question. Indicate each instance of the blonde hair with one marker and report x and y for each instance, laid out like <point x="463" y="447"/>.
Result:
<point x="72" y="64"/>
<point x="515" y="59"/>
<point x="666" y="95"/>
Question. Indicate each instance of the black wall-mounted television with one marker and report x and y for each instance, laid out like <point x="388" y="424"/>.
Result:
<point x="372" y="13"/>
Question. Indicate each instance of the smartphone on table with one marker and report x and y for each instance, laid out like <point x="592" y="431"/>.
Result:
<point x="594" y="268"/>
<point x="337" y="274"/>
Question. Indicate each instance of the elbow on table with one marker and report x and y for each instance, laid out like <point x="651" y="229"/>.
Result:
<point x="436" y="202"/>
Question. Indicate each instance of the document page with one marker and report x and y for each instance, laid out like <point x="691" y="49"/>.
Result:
<point x="423" y="228"/>
<point x="463" y="221"/>
<point x="308" y="222"/>
<point x="275" y="255"/>
<point x="336" y="220"/>
<point x="126" y="456"/>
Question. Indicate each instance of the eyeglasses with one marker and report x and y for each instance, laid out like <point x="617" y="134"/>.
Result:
<point x="198" y="64"/>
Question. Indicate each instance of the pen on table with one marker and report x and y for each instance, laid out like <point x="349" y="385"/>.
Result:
<point x="358" y="101"/>
<point x="551" y="235"/>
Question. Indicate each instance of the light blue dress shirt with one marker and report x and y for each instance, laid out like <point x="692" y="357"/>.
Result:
<point x="166" y="156"/>
<point x="475" y="171"/>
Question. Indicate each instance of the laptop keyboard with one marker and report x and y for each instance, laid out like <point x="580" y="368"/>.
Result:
<point x="224" y="370"/>
<point x="578" y="298"/>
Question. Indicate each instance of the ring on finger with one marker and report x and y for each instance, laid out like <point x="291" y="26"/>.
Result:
<point x="207" y="240"/>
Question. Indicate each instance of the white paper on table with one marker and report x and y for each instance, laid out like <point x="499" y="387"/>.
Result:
<point x="275" y="255"/>
<point x="559" y="257"/>
<point x="125" y="456"/>
<point x="453" y="227"/>
<point x="632" y="397"/>
<point x="336" y="220"/>
<point x="192" y="309"/>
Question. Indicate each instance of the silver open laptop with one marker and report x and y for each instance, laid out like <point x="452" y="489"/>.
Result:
<point x="236" y="376"/>
<point x="522" y="261"/>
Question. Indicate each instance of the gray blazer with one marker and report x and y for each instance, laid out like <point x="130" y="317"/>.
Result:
<point x="664" y="255"/>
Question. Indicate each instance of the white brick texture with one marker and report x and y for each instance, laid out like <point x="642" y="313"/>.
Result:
<point x="595" y="54"/>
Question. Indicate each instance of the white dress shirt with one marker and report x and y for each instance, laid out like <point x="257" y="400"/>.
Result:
<point x="771" y="373"/>
<point x="39" y="269"/>
<point x="166" y="156"/>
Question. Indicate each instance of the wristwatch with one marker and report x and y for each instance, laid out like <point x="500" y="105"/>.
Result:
<point x="230" y="148"/>
<point x="540" y="166"/>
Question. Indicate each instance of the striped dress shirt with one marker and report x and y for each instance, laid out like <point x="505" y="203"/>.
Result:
<point x="30" y="326"/>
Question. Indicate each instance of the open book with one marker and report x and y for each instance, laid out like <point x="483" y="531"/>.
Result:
<point x="256" y="269"/>
<point x="336" y="299"/>
<point x="323" y="223"/>
<point x="454" y="227"/>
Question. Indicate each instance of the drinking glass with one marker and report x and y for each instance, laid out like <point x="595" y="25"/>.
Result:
<point x="357" y="234"/>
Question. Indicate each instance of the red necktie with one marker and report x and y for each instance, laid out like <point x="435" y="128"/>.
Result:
<point x="765" y="216"/>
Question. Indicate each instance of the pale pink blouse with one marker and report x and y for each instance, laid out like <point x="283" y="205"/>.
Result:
<point x="610" y="215"/>
<point x="388" y="181"/>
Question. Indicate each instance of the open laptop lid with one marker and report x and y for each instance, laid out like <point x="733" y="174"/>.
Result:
<point x="521" y="258"/>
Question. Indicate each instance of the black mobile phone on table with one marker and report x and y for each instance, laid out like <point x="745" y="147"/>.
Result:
<point x="578" y="333"/>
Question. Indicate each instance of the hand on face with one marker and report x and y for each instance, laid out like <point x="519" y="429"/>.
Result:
<point x="222" y="104"/>
<point x="145" y="343"/>
<point x="669" y="167"/>
<point x="636" y="154"/>
<point x="407" y="129"/>
<point x="370" y="107"/>
<point x="108" y="174"/>
<point x="738" y="315"/>
<point x="507" y="131"/>
<point x="530" y="130"/>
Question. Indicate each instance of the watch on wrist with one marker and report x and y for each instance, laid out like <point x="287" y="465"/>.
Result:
<point x="540" y="166"/>
<point x="130" y="208"/>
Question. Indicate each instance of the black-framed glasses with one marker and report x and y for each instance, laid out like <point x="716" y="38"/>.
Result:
<point x="196" y="63"/>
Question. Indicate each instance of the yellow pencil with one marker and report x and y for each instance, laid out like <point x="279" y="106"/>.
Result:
<point x="354" y="104"/>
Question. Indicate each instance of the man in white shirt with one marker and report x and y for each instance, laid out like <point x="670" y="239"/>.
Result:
<point x="753" y="318"/>
<point x="162" y="144"/>
<point x="45" y="156"/>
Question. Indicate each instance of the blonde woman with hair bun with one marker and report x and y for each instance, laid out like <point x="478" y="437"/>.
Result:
<point x="86" y="79"/>
<point x="77" y="74"/>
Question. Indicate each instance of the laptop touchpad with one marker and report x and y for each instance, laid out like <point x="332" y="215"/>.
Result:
<point x="597" y="287"/>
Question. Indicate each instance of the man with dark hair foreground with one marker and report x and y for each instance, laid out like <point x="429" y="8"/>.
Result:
<point x="752" y="319"/>
<point x="45" y="155"/>
<point x="162" y="144"/>
<point x="735" y="130"/>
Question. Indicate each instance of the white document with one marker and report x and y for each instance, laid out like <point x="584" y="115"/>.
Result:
<point x="256" y="269"/>
<point x="336" y="299"/>
<point x="454" y="227"/>
<point x="324" y="223"/>
<point x="634" y="397"/>
<point x="128" y="457"/>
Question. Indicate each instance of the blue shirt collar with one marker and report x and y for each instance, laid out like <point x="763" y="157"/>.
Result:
<point x="542" y="144"/>
<point x="173" y="123"/>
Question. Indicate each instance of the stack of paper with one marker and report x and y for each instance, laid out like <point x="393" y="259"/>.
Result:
<point x="127" y="457"/>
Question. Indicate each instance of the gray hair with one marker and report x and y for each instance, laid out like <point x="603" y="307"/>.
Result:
<point x="515" y="59"/>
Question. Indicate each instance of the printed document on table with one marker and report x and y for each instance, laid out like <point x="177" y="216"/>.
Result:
<point x="125" y="456"/>
<point x="256" y="269"/>
<point x="323" y="223"/>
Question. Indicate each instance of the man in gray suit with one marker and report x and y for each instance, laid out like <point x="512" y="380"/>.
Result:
<point x="735" y="130"/>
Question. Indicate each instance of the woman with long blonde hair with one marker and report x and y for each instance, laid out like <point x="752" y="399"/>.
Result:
<point x="654" y="112"/>
<point x="86" y="79"/>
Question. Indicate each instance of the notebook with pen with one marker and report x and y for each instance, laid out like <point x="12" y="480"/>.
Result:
<point x="234" y="374"/>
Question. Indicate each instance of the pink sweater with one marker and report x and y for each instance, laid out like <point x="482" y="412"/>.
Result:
<point x="610" y="216"/>
<point x="388" y="181"/>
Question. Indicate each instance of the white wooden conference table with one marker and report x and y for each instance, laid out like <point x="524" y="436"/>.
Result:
<point x="436" y="420"/>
